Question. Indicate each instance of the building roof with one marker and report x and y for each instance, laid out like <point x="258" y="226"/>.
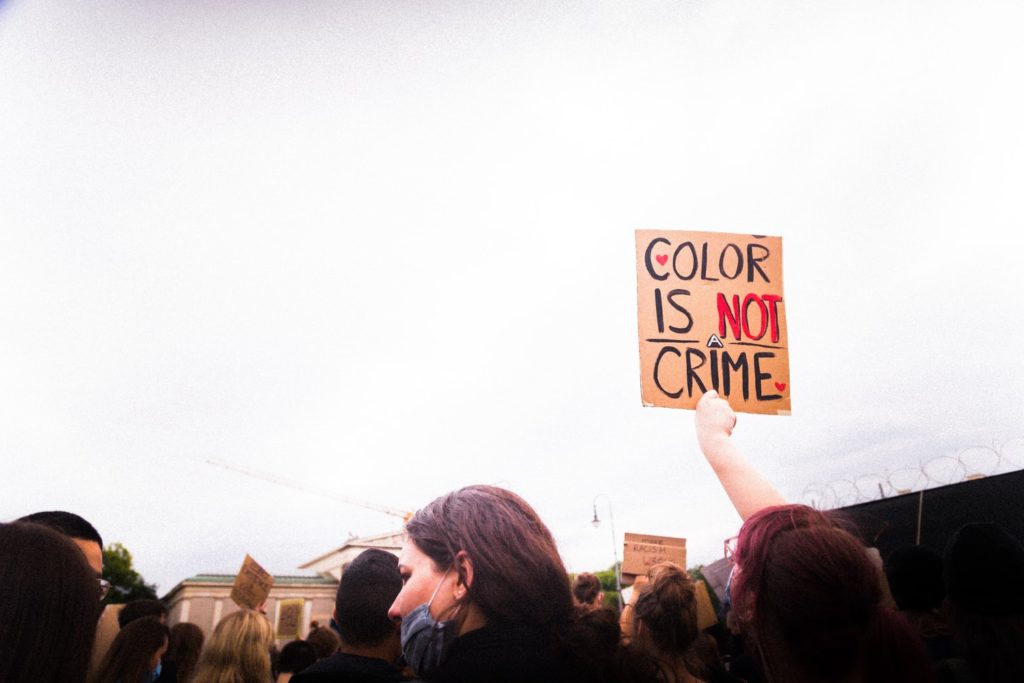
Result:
<point x="361" y="542"/>
<point x="229" y="580"/>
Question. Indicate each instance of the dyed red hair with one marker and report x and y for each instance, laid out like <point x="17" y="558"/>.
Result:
<point x="811" y="597"/>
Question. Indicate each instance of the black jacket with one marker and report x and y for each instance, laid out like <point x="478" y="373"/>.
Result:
<point x="500" y="654"/>
<point x="343" y="668"/>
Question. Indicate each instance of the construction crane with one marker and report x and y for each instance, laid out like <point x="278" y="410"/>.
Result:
<point x="404" y="515"/>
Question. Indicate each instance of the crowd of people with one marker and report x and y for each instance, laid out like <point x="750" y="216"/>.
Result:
<point x="480" y="594"/>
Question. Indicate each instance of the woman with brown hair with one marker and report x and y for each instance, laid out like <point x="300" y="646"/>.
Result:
<point x="238" y="651"/>
<point x="49" y="604"/>
<point x="186" y="642"/>
<point x="134" y="656"/>
<point x="665" y="621"/>
<point x="587" y="591"/>
<point x="486" y="596"/>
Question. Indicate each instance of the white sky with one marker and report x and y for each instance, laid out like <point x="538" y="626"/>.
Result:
<point x="387" y="249"/>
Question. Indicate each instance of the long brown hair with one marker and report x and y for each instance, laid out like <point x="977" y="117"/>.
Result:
<point x="132" y="651"/>
<point x="49" y="606"/>
<point x="518" y="575"/>
<point x="184" y="647"/>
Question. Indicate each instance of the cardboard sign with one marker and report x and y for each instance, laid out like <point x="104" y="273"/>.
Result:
<point x="644" y="550"/>
<point x="711" y="315"/>
<point x="252" y="585"/>
<point x="706" y="617"/>
<point x="289" y="618"/>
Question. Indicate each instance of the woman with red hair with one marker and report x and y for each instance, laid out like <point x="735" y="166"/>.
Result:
<point x="805" y="590"/>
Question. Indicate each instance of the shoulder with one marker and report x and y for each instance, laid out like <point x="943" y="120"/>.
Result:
<point x="501" y="654"/>
<point x="343" y="668"/>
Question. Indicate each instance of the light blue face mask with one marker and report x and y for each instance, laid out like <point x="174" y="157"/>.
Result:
<point x="425" y="640"/>
<point x="155" y="674"/>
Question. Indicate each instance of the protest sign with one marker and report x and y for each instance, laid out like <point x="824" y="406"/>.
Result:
<point x="644" y="550"/>
<point x="706" y="617"/>
<point x="289" y="618"/>
<point x="252" y="585"/>
<point x="711" y="315"/>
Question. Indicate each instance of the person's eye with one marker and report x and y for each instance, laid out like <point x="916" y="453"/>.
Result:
<point x="405" y="577"/>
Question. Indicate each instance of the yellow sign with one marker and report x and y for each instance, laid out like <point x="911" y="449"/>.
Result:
<point x="289" y="618"/>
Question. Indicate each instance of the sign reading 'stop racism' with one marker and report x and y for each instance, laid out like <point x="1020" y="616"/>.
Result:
<point x="712" y="315"/>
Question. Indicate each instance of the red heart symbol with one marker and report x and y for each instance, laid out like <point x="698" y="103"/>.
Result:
<point x="663" y="259"/>
<point x="781" y="386"/>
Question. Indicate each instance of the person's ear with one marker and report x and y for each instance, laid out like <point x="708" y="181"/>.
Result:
<point x="464" y="574"/>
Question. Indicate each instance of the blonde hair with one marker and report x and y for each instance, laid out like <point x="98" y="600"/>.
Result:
<point x="238" y="651"/>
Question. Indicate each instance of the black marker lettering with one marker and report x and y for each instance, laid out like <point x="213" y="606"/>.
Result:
<point x="647" y="258"/>
<point x="672" y="302"/>
<point x="657" y="371"/>
<point x="761" y="376"/>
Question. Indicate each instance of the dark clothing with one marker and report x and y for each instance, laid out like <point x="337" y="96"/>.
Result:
<point x="168" y="673"/>
<point x="343" y="668"/>
<point x="500" y="654"/>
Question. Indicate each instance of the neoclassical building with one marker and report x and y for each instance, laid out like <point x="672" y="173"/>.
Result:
<point x="295" y="601"/>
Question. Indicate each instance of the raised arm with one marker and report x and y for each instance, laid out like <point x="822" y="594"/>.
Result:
<point x="747" y="488"/>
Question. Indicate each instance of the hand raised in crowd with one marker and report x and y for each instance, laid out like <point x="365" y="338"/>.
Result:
<point x="715" y="420"/>
<point x="746" y="487"/>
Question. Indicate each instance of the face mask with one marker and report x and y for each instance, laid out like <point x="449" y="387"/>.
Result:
<point x="425" y="640"/>
<point x="156" y="672"/>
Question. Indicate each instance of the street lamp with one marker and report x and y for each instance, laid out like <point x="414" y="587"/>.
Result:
<point x="615" y="548"/>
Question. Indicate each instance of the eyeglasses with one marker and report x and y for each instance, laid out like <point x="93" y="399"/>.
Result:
<point x="730" y="548"/>
<point x="104" y="588"/>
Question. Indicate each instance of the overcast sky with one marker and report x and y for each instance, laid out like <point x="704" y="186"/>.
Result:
<point x="387" y="249"/>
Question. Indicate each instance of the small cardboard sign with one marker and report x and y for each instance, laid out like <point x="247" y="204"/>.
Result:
<point x="252" y="585"/>
<point x="711" y="315"/>
<point x="706" y="617"/>
<point x="642" y="551"/>
<point x="289" y="618"/>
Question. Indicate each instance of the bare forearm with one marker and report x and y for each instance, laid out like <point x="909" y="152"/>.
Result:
<point x="747" y="488"/>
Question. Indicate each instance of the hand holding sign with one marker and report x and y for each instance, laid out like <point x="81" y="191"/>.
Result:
<point x="747" y="488"/>
<point x="715" y="420"/>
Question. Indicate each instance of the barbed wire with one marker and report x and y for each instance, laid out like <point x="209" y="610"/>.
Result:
<point x="972" y="462"/>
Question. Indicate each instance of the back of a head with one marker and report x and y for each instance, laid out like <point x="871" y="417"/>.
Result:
<point x="915" y="578"/>
<point x="703" y="658"/>
<point x="184" y="646"/>
<point x="324" y="640"/>
<point x="984" y="564"/>
<point x="367" y="589"/>
<point x="665" y="611"/>
<point x="295" y="656"/>
<point x="237" y="650"/>
<point x="49" y="606"/>
<point x="66" y="523"/>
<point x="518" y="575"/>
<point x="807" y="590"/>
<point x="586" y="587"/>
<point x="983" y="567"/>
<point x="131" y="654"/>
<point x="137" y="609"/>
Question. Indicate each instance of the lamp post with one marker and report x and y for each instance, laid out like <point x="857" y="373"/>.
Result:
<point x="615" y="548"/>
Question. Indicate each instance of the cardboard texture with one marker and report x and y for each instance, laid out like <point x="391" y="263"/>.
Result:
<point x="252" y="585"/>
<point x="641" y="551"/>
<point x="706" y="617"/>
<point x="711" y="315"/>
<point x="289" y="618"/>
